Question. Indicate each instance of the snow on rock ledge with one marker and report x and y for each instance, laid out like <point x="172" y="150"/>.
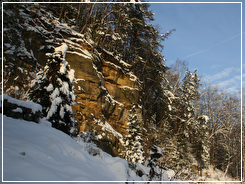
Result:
<point x="63" y="49"/>
<point x="20" y="109"/>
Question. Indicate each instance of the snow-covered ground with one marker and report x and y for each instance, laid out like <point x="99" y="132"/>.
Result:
<point x="38" y="152"/>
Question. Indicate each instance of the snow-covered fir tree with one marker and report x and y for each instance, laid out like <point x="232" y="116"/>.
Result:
<point x="184" y="131"/>
<point x="133" y="140"/>
<point x="53" y="89"/>
<point x="191" y="130"/>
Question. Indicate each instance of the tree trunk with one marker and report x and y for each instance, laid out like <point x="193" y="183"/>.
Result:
<point x="88" y="17"/>
<point x="62" y="13"/>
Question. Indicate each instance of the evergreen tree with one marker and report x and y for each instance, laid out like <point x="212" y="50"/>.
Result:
<point x="191" y="130"/>
<point x="147" y="61"/>
<point x="185" y="131"/>
<point x="53" y="89"/>
<point x="133" y="140"/>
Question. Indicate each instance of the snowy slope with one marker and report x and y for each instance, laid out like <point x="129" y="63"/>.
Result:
<point x="37" y="152"/>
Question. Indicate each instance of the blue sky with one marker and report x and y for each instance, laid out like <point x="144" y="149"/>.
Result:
<point x="207" y="36"/>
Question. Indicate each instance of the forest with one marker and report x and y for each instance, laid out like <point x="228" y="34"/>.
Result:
<point x="177" y="122"/>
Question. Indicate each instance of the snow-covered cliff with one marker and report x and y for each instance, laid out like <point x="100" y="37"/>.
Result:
<point x="105" y="87"/>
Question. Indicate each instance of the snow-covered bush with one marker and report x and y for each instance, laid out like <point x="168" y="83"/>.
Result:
<point x="151" y="162"/>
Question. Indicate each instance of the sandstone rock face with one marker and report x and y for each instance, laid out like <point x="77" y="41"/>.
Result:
<point x="105" y="91"/>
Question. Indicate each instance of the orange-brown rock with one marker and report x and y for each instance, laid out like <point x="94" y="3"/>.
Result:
<point x="105" y="93"/>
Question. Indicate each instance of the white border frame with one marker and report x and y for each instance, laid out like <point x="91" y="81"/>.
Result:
<point x="132" y="181"/>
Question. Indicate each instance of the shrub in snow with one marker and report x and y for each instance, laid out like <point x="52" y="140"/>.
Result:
<point x="151" y="162"/>
<point x="53" y="89"/>
<point x="87" y="136"/>
<point x="150" y="170"/>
